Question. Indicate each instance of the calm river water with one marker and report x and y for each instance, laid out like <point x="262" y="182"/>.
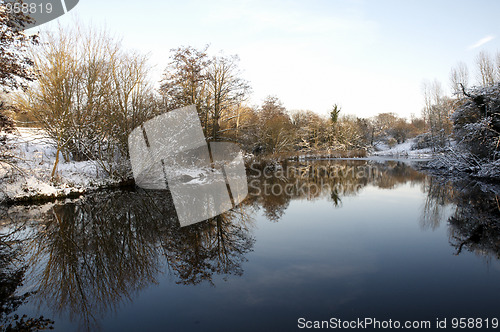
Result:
<point x="320" y="241"/>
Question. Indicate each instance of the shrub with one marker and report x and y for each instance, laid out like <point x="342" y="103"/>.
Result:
<point x="477" y="122"/>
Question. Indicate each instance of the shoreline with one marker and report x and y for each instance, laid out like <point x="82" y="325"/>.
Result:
<point x="77" y="191"/>
<point x="420" y="164"/>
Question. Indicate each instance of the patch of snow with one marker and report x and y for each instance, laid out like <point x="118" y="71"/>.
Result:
<point x="34" y="157"/>
<point x="402" y="150"/>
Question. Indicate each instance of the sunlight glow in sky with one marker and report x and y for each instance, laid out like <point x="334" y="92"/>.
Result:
<point x="367" y="56"/>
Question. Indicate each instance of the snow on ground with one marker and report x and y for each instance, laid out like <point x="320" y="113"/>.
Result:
<point x="401" y="150"/>
<point x="34" y="157"/>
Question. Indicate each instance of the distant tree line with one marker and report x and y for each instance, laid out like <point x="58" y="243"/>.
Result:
<point x="215" y="86"/>
<point x="90" y="93"/>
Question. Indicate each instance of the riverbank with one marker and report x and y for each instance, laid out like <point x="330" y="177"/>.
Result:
<point x="450" y="166"/>
<point x="404" y="150"/>
<point x="27" y="175"/>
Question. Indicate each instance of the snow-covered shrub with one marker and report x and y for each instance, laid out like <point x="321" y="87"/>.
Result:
<point x="477" y="122"/>
<point x="422" y="141"/>
<point x="6" y="127"/>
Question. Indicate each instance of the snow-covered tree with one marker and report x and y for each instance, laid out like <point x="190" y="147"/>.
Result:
<point x="477" y="122"/>
<point x="16" y="67"/>
<point x="311" y="131"/>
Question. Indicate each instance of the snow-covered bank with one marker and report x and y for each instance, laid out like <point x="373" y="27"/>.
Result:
<point x="460" y="165"/>
<point x="402" y="150"/>
<point x="448" y="162"/>
<point x="28" y="174"/>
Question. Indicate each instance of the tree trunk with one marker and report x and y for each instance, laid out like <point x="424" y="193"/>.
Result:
<point x="55" y="164"/>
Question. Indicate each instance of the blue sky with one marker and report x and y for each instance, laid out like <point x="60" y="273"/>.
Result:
<point x="367" y="56"/>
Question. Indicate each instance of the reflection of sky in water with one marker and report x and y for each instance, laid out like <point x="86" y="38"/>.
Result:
<point x="373" y="256"/>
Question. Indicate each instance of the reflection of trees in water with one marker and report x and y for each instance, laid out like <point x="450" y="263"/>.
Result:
<point x="474" y="224"/>
<point x="12" y="271"/>
<point x="273" y="189"/>
<point x="274" y="203"/>
<point x="394" y="173"/>
<point x="91" y="254"/>
<point x="439" y="195"/>
<point x="217" y="246"/>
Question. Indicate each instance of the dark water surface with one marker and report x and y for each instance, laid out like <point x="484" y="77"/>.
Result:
<point x="316" y="240"/>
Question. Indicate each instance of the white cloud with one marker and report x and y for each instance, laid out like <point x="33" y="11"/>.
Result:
<point x="481" y="42"/>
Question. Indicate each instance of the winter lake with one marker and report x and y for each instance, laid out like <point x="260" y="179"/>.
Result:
<point x="335" y="241"/>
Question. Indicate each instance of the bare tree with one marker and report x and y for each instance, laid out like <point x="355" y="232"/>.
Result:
<point x="459" y="77"/>
<point x="213" y="84"/>
<point x="227" y="90"/>
<point x="498" y="67"/>
<point x="486" y="69"/>
<point x="437" y="112"/>
<point x="89" y="96"/>
<point x="185" y="81"/>
<point x="50" y="100"/>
